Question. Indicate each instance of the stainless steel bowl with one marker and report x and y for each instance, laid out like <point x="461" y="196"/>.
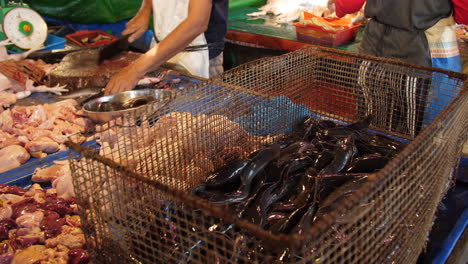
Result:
<point x="94" y="108"/>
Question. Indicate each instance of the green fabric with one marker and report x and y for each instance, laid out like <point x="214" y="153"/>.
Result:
<point x="87" y="11"/>
<point x="235" y="4"/>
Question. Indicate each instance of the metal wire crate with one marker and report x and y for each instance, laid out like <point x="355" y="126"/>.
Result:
<point x="132" y="185"/>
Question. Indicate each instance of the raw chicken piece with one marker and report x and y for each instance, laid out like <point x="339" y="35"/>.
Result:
<point x="37" y="193"/>
<point x="10" y="198"/>
<point x="7" y="99"/>
<point x="74" y="220"/>
<point x="12" y="156"/>
<point x="5" y="212"/>
<point x="20" y="114"/>
<point x="64" y="186"/>
<point x="30" y="255"/>
<point x="67" y="128"/>
<point x="56" y="256"/>
<point x="85" y="123"/>
<point x="38" y="115"/>
<point x="64" y="110"/>
<point x="49" y="124"/>
<point x="6" y="118"/>
<point x="30" y="220"/>
<point x="7" y="139"/>
<point x="28" y="116"/>
<point x="51" y="173"/>
<point x="42" y="144"/>
<point x="60" y="176"/>
<point x="33" y="133"/>
<point x="71" y="237"/>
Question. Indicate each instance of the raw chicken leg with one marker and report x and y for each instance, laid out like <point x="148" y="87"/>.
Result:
<point x="58" y="89"/>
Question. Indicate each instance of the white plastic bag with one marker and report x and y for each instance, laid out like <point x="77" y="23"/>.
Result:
<point x="167" y="16"/>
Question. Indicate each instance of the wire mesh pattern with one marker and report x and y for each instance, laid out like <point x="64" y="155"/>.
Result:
<point x="132" y="184"/>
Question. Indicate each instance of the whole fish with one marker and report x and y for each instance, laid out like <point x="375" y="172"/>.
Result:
<point x="345" y="150"/>
<point x="287" y="224"/>
<point x="250" y="209"/>
<point x="323" y="159"/>
<point x="276" y="194"/>
<point x="367" y="163"/>
<point x="340" y="194"/>
<point x="292" y="150"/>
<point x="83" y="95"/>
<point x="252" y="170"/>
<point x="306" y="220"/>
<point x="303" y="195"/>
<point x="85" y="92"/>
<point x="227" y="175"/>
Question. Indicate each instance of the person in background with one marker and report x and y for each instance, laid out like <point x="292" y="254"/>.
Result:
<point x="199" y="25"/>
<point x="420" y="32"/>
<point x="416" y="31"/>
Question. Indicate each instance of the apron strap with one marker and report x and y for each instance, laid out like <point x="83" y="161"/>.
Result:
<point x="193" y="48"/>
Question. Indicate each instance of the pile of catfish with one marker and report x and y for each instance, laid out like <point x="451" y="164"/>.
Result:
<point x="284" y="187"/>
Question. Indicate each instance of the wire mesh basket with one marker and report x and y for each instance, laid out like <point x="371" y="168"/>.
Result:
<point x="132" y="184"/>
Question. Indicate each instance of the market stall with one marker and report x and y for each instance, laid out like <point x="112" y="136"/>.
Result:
<point x="265" y="33"/>
<point x="270" y="162"/>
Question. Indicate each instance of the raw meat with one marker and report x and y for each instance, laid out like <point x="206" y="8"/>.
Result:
<point x="12" y="156"/>
<point x="41" y="129"/>
<point x="30" y="255"/>
<point x="81" y="70"/>
<point x="43" y="229"/>
<point x="20" y="77"/>
<point x="40" y="146"/>
<point x="64" y="185"/>
<point x="6" y="139"/>
<point x="7" y="99"/>
<point x="60" y="176"/>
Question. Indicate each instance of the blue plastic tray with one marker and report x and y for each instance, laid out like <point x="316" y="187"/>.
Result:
<point x="52" y="43"/>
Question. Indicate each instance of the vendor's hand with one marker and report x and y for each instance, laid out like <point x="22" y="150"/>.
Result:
<point x="123" y="81"/>
<point x="137" y="26"/>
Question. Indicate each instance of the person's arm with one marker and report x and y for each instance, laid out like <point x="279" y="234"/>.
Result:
<point x="195" y="24"/>
<point x="139" y="24"/>
<point x="460" y="11"/>
<point x="344" y="7"/>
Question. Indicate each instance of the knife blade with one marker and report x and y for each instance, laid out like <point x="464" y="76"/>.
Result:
<point x="114" y="48"/>
<point x="55" y="56"/>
